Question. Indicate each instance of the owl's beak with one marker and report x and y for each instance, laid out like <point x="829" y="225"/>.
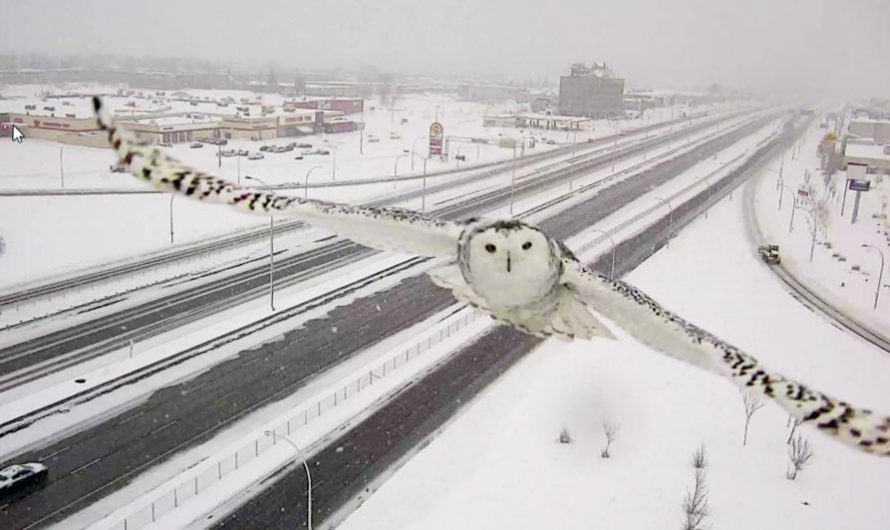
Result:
<point x="508" y="261"/>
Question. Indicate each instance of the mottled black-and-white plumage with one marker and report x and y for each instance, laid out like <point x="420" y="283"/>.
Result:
<point x="521" y="277"/>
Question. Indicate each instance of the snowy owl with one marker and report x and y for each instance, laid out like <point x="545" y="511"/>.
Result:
<point x="520" y="276"/>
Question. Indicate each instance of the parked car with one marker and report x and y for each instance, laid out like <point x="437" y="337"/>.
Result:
<point x="373" y="139"/>
<point x="298" y="157"/>
<point x="227" y="152"/>
<point x="242" y="152"/>
<point x="197" y="145"/>
<point x="266" y="148"/>
<point x="20" y="479"/>
<point x="117" y="168"/>
<point x="322" y="152"/>
<point x="256" y="156"/>
<point x="282" y="149"/>
<point x="165" y="144"/>
<point x="303" y="146"/>
<point x="395" y="136"/>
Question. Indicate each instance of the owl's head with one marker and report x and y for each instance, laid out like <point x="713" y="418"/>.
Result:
<point x="508" y="259"/>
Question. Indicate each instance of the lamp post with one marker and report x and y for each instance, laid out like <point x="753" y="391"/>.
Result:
<point x="302" y="457"/>
<point x="61" y="169"/>
<point x="612" y="241"/>
<point x="670" y="218"/>
<point x="413" y="150"/>
<point x="172" y="196"/>
<point x="513" y="180"/>
<point x="271" y="251"/>
<point x="334" y="165"/>
<point x="395" y="166"/>
<point x="306" y="186"/>
<point x="880" y="273"/>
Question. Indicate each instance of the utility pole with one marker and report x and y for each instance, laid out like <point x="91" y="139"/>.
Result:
<point x="61" y="169"/>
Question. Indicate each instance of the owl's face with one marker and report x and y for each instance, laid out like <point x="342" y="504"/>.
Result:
<point x="510" y="263"/>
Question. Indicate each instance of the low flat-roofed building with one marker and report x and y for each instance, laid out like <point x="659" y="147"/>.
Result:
<point x="49" y="127"/>
<point x="249" y="127"/>
<point x="345" y="105"/>
<point x="173" y="129"/>
<point x="875" y="156"/>
<point x="877" y="130"/>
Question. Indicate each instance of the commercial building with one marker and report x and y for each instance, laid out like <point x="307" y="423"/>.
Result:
<point x="487" y="93"/>
<point x="173" y="129"/>
<point x="344" y="105"/>
<point x="875" y="156"/>
<point x="877" y="130"/>
<point x="591" y="91"/>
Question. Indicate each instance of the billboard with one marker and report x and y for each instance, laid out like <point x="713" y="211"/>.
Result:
<point x="437" y="134"/>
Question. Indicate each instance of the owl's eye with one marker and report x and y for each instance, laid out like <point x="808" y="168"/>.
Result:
<point x="527" y="245"/>
<point x="491" y="248"/>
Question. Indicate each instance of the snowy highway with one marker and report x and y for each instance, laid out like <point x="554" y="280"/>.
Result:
<point x="48" y="352"/>
<point x="100" y="459"/>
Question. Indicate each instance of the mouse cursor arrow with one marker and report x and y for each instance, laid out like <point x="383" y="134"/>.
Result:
<point x="17" y="135"/>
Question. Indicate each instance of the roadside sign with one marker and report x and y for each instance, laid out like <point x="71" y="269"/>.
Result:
<point x="437" y="133"/>
<point x="859" y="185"/>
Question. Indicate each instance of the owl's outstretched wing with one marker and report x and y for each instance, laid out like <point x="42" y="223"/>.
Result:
<point x="379" y="228"/>
<point x="653" y="325"/>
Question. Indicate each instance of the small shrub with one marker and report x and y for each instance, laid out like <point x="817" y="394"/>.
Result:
<point x="699" y="459"/>
<point x="799" y="453"/>
<point x="564" y="436"/>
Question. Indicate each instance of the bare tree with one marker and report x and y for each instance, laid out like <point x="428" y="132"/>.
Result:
<point x="800" y="453"/>
<point x="699" y="458"/>
<point x="695" y="503"/>
<point x="793" y="429"/>
<point x="611" y="431"/>
<point x="752" y="405"/>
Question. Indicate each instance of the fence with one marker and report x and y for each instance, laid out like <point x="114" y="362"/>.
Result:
<point x="215" y="471"/>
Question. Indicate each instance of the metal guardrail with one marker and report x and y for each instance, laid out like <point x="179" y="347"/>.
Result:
<point x="209" y="473"/>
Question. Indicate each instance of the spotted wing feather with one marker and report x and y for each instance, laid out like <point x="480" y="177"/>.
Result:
<point x="653" y="325"/>
<point x="380" y="228"/>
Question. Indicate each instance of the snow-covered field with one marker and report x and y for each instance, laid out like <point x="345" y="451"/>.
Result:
<point x="499" y="463"/>
<point x="849" y="284"/>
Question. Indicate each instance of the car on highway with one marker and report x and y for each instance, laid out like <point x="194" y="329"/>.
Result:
<point x="18" y="480"/>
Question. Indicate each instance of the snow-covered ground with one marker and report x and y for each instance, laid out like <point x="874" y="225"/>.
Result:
<point x="51" y="234"/>
<point x="849" y="284"/>
<point x="499" y="464"/>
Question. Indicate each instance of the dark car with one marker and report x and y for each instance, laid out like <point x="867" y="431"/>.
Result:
<point x="197" y="145"/>
<point x="20" y="479"/>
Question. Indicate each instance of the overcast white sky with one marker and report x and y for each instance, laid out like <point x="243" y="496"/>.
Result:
<point x="801" y="45"/>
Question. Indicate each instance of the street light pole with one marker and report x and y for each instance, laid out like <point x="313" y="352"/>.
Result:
<point x="61" y="169"/>
<point x="306" y="186"/>
<point x="708" y="204"/>
<point x="172" y="196"/>
<point x="302" y="457"/>
<point x="334" y="167"/>
<point x="513" y="180"/>
<point x="413" y="150"/>
<point x="880" y="273"/>
<point x="271" y="251"/>
<point x="395" y="167"/>
<point x="670" y="218"/>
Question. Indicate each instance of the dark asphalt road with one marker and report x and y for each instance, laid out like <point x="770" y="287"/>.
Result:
<point x="346" y="467"/>
<point x="103" y="458"/>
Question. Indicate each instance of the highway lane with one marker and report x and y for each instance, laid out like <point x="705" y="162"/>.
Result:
<point x="345" y="470"/>
<point x="476" y="172"/>
<point x="37" y="357"/>
<point x="104" y="457"/>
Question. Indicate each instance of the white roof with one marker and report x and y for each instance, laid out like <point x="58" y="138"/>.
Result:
<point x="872" y="151"/>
